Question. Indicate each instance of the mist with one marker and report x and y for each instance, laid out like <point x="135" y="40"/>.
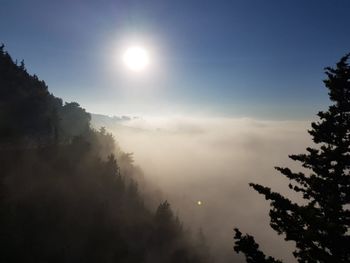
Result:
<point x="212" y="160"/>
<point x="174" y="131"/>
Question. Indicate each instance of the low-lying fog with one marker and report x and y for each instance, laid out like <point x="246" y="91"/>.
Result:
<point x="213" y="160"/>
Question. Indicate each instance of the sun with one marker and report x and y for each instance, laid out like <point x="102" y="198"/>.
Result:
<point x="136" y="58"/>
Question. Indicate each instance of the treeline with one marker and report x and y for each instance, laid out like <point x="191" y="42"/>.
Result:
<point x="67" y="193"/>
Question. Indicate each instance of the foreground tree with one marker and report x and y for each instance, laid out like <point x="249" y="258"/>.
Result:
<point x="320" y="227"/>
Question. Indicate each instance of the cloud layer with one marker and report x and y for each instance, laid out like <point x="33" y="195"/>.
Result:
<point x="213" y="160"/>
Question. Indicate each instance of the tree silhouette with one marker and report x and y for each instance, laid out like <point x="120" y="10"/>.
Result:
<point x="67" y="192"/>
<point x="319" y="227"/>
<point x="168" y="227"/>
<point x="202" y="246"/>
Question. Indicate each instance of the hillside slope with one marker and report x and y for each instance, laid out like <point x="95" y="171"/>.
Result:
<point x="64" y="196"/>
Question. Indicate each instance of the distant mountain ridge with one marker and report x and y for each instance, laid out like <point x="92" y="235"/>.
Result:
<point x="102" y="120"/>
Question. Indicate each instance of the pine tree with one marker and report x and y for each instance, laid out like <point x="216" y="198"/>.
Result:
<point x="202" y="246"/>
<point x="320" y="227"/>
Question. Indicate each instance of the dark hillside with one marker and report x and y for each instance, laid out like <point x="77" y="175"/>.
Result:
<point x="64" y="198"/>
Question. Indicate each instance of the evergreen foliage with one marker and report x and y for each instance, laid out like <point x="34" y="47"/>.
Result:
<point x="67" y="193"/>
<point x="320" y="227"/>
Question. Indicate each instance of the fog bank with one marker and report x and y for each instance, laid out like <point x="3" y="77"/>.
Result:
<point x="213" y="160"/>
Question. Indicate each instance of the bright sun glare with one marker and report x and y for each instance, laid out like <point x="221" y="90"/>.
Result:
<point x="136" y="58"/>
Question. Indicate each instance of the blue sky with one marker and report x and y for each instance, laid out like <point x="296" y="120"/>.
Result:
<point x="260" y="59"/>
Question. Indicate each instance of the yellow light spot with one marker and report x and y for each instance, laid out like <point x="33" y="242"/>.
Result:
<point x="199" y="202"/>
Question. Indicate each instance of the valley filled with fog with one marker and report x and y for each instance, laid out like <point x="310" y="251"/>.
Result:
<point x="212" y="160"/>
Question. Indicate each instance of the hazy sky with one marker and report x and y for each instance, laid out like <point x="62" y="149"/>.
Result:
<point x="224" y="60"/>
<point x="261" y="59"/>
